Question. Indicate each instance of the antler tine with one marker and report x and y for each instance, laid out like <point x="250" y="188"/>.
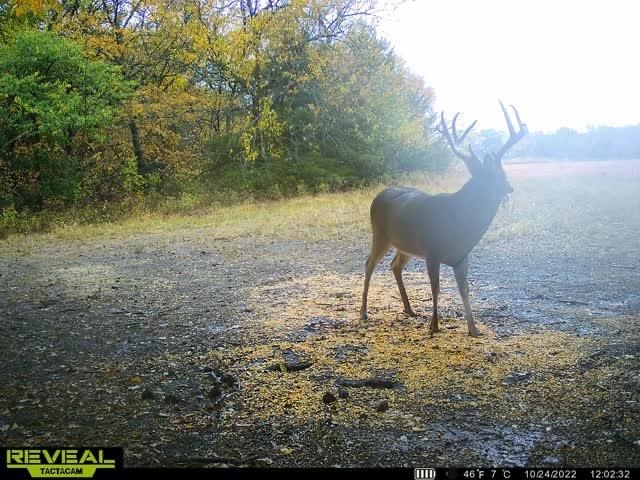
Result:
<point x="506" y="116"/>
<point x="443" y="125"/>
<point x="520" y="124"/>
<point x="454" y="130"/>
<point x="471" y="161"/>
<point x="444" y="129"/>
<point x="514" y="137"/>
<point x="460" y="139"/>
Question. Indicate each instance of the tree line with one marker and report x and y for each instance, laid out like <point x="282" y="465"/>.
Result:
<point x="595" y="143"/>
<point x="110" y="102"/>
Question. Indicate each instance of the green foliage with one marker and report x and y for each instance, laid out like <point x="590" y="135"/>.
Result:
<point x="371" y="111"/>
<point x="356" y="114"/>
<point x="288" y="178"/>
<point x="254" y="99"/>
<point x="55" y="106"/>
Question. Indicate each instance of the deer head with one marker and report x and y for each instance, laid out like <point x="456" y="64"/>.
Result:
<point x="488" y="172"/>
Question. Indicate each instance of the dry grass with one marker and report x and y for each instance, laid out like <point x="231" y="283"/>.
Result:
<point x="322" y="216"/>
<point x="570" y="206"/>
<point x="541" y="205"/>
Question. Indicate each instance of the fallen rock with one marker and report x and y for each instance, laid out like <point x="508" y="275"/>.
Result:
<point x="147" y="394"/>
<point x="214" y="393"/>
<point x="229" y="380"/>
<point x="171" y="398"/>
<point x="382" y="406"/>
<point x="328" y="397"/>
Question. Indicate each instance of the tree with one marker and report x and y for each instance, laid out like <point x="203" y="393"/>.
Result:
<point x="55" y="107"/>
<point x="258" y="95"/>
<point x="369" y="112"/>
<point x="596" y="143"/>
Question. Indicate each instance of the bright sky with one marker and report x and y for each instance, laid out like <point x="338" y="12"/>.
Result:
<point x="560" y="62"/>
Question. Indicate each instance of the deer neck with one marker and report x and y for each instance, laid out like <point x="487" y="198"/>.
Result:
<point x="478" y="204"/>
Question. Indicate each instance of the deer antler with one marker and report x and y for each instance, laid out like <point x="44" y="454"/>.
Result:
<point x="471" y="161"/>
<point x="514" y="137"/>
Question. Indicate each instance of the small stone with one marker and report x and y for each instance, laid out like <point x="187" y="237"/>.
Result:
<point x="171" y="398"/>
<point x="228" y="380"/>
<point x="328" y="397"/>
<point x="343" y="393"/>
<point x="214" y="393"/>
<point x="382" y="406"/>
<point x="147" y="394"/>
<point x="449" y="436"/>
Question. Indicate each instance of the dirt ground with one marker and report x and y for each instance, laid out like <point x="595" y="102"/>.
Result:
<point x="191" y="350"/>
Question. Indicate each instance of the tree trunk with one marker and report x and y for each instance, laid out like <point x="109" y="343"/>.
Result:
<point x="137" y="148"/>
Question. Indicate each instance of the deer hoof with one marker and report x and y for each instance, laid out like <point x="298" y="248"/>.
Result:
<point x="475" y="333"/>
<point x="411" y="313"/>
<point x="363" y="315"/>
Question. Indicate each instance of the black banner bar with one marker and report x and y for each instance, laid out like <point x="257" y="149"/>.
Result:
<point x="418" y="473"/>
<point x="109" y="463"/>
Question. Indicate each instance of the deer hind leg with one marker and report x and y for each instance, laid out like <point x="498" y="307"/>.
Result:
<point x="433" y="269"/>
<point x="397" y="265"/>
<point x="379" y="247"/>
<point x="460" y="271"/>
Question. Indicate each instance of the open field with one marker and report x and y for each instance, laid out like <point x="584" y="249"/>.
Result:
<point x="171" y="336"/>
<point x="586" y="168"/>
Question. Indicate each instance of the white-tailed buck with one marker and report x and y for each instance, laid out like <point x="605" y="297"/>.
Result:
<point x="441" y="228"/>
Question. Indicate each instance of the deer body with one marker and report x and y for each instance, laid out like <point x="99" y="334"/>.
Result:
<point x="441" y="228"/>
<point x="406" y="216"/>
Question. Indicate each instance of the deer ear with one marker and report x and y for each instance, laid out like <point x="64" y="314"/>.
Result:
<point x="473" y="163"/>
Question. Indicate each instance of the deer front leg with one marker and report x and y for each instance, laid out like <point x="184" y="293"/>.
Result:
<point x="433" y="269"/>
<point x="460" y="271"/>
<point x="379" y="247"/>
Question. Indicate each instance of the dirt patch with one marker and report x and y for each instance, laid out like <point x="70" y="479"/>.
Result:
<point x="189" y="350"/>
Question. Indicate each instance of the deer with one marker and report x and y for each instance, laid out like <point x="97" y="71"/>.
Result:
<point x="442" y="228"/>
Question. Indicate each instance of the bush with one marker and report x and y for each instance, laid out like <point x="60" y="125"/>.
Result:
<point x="55" y="106"/>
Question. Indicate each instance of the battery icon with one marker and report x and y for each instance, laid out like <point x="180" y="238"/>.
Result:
<point x="424" y="473"/>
